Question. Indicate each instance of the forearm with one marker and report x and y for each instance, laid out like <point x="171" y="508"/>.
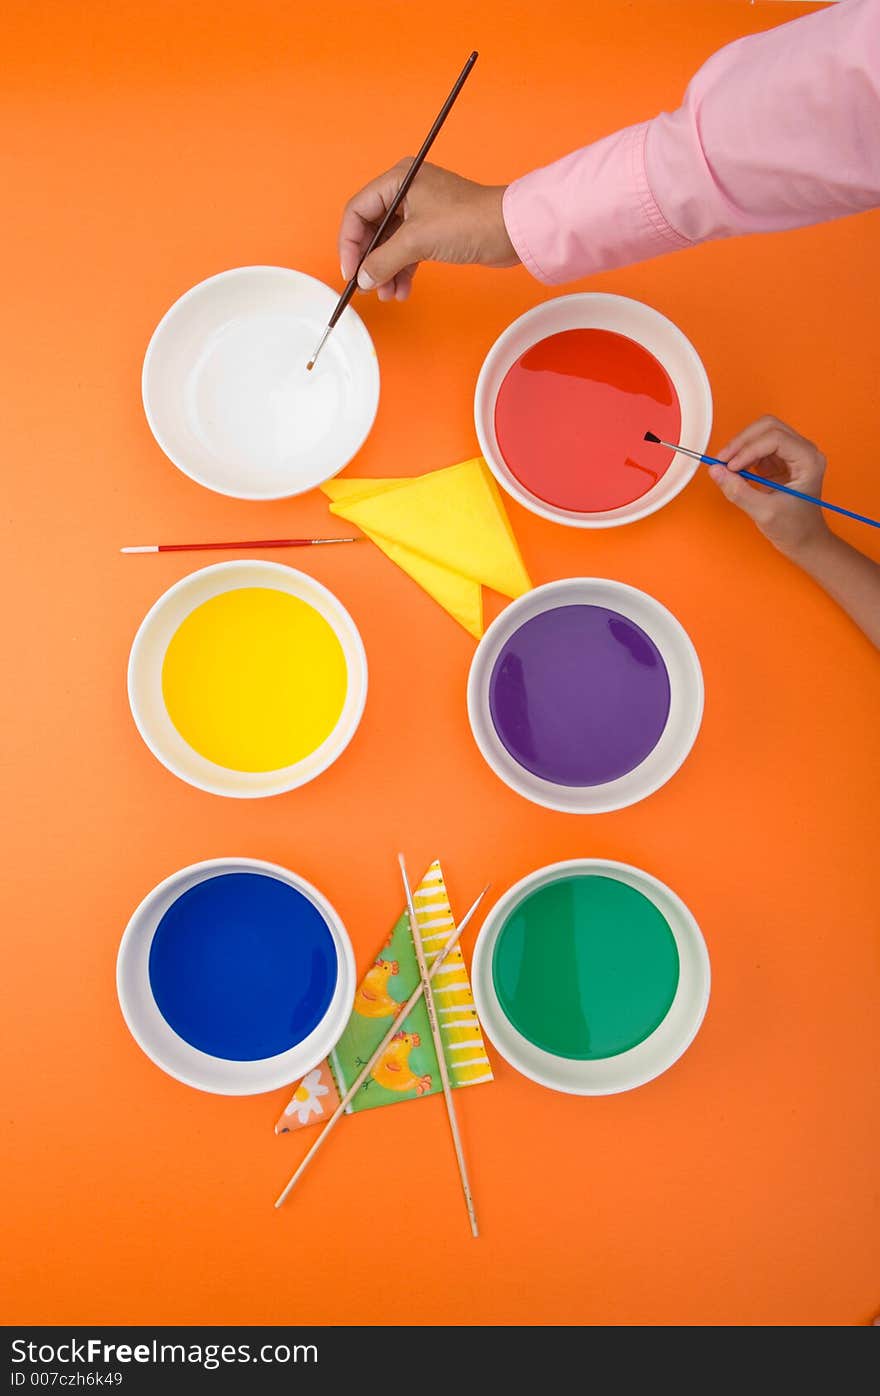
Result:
<point x="775" y="131"/>
<point x="849" y="577"/>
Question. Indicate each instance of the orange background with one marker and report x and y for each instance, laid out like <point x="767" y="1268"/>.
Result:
<point x="142" y="148"/>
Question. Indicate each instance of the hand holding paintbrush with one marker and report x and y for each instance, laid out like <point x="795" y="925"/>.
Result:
<point x="791" y="470"/>
<point x="786" y="459"/>
<point x="394" y="206"/>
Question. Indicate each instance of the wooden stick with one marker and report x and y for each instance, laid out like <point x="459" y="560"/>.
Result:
<point x="401" y="1017"/>
<point x="438" y="1046"/>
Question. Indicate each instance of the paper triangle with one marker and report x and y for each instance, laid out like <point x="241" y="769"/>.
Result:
<point x="408" y="1069"/>
<point x="458" y="595"/>
<point x="453" y="517"/>
<point x="346" y="491"/>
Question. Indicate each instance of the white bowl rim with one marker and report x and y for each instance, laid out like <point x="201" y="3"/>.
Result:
<point x="499" y="625"/>
<point x="346" y="975"/>
<point x="609" y="518"/>
<point x="495" y="919"/>
<point x="361" y="678"/>
<point x="151" y="350"/>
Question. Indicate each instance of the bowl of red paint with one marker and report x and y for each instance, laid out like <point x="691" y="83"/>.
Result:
<point x="585" y="695"/>
<point x="564" y="399"/>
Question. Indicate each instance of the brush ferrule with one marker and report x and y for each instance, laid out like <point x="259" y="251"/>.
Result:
<point x="321" y="342"/>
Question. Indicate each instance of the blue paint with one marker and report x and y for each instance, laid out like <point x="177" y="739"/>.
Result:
<point x="243" y="966"/>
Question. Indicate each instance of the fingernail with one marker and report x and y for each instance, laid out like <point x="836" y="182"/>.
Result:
<point x="365" y="281"/>
<point x="344" y="272"/>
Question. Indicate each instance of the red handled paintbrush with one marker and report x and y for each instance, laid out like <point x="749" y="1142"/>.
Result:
<point x="237" y="547"/>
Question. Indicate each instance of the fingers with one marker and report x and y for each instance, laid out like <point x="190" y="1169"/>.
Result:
<point x="403" y="282"/>
<point x="793" y="450"/>
<point x="355" y="233"/>
<point x="362" y="215"/>
<point x="763" y="429"/>
<point x="749" y="433"/>
<point x="777" y="449"/>
<point x="390" y="269"/>
<point x="394" y="257"/>
<point x="752" y="502"/>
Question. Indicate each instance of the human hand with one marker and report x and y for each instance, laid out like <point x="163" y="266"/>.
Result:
<point x="770" y="448"/>
<point x="445" y="218"/>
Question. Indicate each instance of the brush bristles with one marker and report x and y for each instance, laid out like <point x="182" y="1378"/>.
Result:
<point x="649" y="436"/>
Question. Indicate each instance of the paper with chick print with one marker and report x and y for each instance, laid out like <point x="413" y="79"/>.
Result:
<point x="407" y="1069"/>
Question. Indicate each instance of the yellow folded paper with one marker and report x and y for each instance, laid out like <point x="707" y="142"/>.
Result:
<point x="448" y="530"/>
<point x="462" y="598"/>
<point x="458" y="595"/>
<point x="346" y="491"/>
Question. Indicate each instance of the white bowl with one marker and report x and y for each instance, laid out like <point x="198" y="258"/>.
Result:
<point x="685" y="707"/>
<point x="145" y="678"/>
<point x="226" y="391"/>
<point x="598" y="311"/>
<point x="606" y="1075"/>
<point x="177" y="1057"/>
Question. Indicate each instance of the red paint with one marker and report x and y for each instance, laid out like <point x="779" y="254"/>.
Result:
<point x="571" y="417"/>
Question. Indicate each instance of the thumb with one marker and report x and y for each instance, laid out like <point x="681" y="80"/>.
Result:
<point x="401" y="250"/>
<point x="738" y="491"/>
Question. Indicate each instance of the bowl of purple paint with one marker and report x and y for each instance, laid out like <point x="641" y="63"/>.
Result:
<point x="585" y="695"/>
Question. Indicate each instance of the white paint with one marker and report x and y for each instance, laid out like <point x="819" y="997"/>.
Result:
<point x="226" y="390"/>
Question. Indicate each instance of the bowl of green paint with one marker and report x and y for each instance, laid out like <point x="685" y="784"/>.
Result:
<point x="591" y="977"/>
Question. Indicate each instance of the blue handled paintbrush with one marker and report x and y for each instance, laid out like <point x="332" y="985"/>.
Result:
<point x="771" y="484"/>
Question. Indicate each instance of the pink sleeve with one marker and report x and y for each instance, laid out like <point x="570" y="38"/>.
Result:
<point x="776" y="130"/>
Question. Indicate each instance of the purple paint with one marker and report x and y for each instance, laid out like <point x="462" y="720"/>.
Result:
<point x="579" y="695"/>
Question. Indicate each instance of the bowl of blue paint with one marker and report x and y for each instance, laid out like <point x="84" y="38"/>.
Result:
<point x="585" y="695"/>
<point x="591" y="976"/>
<point x="235" y="976"/>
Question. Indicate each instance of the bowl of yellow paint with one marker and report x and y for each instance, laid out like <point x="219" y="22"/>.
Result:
<point x="247" y="679"/>
<point x="227" y="395"/>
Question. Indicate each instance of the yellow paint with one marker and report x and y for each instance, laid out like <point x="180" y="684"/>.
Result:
<point x="254" y="679"/>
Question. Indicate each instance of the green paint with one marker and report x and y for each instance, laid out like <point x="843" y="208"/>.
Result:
<point x="585" y="967"/>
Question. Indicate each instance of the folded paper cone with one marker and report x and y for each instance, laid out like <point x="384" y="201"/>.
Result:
<point x="408" y="1069"/>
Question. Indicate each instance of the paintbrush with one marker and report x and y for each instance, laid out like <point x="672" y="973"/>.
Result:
<point x="394" y="205"/>
<point x="237" y="547"/>
<point x="404" y="1013"/>
<point x="762" y="480"/>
